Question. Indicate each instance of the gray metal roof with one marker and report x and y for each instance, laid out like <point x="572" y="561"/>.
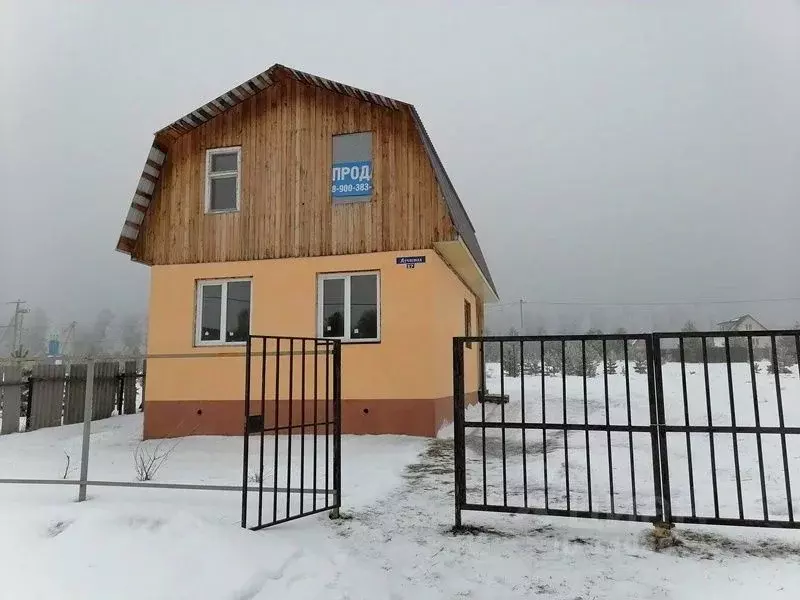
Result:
<point x="158" y="151"/>
<point x="734" y="323"/>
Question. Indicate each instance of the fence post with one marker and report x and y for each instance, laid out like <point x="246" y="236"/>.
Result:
<point x="246" y="437"/>
<point x="30" y="402"/>
<point x="458" y="429"/>
<point x="87" y="429"/>
<point x="337" y="426"/>
<point x="660" y="454"/>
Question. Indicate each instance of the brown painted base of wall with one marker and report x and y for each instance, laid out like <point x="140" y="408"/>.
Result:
<point x="226" y="417"/>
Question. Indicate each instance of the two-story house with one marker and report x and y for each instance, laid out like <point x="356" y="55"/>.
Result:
<point x="292" y="205"/>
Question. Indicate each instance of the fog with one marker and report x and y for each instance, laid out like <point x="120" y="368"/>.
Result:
<point x="625" y="163"/>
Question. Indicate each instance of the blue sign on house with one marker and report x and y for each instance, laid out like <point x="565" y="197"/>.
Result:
<point x="351" y="179"/>
<point x="410" y="260"/>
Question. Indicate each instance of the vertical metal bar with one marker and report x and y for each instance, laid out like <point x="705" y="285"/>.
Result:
<point x="302" y="424"/>
<point x="316" y="426"/>
<point x="29" y="406"/>
<point x="261" y="433"/>
<point x="686" y="422"/>
<point x="503" y="422"/>
<point x="586" y="422"/>
<point x="522" y="408"/>
<point x="544" y="433"/>
<point x="653" y="351"/>
<point x="337" y="425"/>
<point x="87" y="429"/>
<point x="327" y="420"/>
<point x="483" y="420"/>
<point x="608" y="430"/>
<point x="711" y="432"/>
<point x="733" y="424"/>
<point x="757" y="415"/>
<point x="630" y="424"/>
<point x="289" y="430"/>
<point x="782" y="424"/>
<point x="246" y="441"/>
<point x="564" y="414"/>
<point x="275" y="431"/>
<point x="120" y="390"/>
<point x="458" y="428"/>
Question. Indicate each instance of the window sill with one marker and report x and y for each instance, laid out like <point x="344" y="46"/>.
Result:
<point x="219" y="344"/>
<point x="224" y="211"/>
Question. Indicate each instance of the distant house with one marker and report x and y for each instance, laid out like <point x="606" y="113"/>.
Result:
<point x="743" y="323"/>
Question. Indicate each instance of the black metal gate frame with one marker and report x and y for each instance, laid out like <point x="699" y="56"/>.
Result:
<point x="332" y="418"/>
<point x="657" y="428"/>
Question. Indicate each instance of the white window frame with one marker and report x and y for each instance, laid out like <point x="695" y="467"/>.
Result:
<point x="198" y="319"/>
<point x="347" y="310"/>
<point x="223" y="175"/>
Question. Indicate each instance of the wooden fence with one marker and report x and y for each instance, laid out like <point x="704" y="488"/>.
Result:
<point x="49" y="395"/>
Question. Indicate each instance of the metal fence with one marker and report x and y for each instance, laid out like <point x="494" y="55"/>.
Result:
<point x="49" y="395"/>
<point x="292" y="403"/>
<point x="293" y="396"/>
<point x="643" y="427"/>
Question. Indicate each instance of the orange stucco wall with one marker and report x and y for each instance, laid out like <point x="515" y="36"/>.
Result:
<point x="421" y="310"/>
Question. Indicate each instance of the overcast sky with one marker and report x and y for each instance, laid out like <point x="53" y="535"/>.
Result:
<point x="606" y="151"/>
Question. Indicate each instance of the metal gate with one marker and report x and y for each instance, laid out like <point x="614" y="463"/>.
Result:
<point x="662" y="428"/>
<point x="292" y="461"/>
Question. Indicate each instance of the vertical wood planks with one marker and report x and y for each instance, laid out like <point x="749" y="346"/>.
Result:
<point x="75" y="396"/>
<point x="105" y="389"/>
<point x="11" y="398"/>
<point x="286" y="208"/>
<point x="47" y="395"/>
<point x="129" y="388"/>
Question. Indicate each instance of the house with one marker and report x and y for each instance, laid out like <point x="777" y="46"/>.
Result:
<point x="291" y="205"/>
<point x="743" y="323"/>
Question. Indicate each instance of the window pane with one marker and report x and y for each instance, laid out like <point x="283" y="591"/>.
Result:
<point x="364" y="306"/>
<point x="352" y="147"/>
<point x="210" y="313"/>
<point x="237" y="323"/>
<point x="351" y="173"/>
<point x="333" y="308"/>
<point x="223" y="193"/>
<point x="223" y="162"/>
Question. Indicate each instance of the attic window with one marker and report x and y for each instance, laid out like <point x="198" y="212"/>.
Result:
<point x="351" y="172"/>
<point x="222" y="179"/>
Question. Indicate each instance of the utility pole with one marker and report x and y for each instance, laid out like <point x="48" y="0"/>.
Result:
<point x="19" y="311"/>
<point x="521" y="318"/>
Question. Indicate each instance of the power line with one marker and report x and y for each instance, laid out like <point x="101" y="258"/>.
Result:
<point x="667" y="303"/>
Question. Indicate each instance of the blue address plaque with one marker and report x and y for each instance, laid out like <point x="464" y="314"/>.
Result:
<point x="350" y="179"/>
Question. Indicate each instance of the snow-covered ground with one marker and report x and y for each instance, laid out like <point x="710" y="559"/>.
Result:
<point x="642" y="456"/>
<point x="396" y="543"/>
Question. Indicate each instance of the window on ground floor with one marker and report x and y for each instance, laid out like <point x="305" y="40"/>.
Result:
<point x="223" y="311"/>
<point x="349" y="306"/>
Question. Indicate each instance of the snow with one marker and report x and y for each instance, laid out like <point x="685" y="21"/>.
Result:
<point x="642" y="457"/>
<point x="396" y="542"/>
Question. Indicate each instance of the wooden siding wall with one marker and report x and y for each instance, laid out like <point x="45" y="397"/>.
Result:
<point x="286" y="207"/>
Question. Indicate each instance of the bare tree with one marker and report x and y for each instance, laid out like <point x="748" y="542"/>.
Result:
<point x="93" y="341"/>
<point x="34" y="338"/>
<point x="132" y="335"/>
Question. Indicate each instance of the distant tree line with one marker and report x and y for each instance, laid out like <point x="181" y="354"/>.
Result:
<point x="576" y="358"/>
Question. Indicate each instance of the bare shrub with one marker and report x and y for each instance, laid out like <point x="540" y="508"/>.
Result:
<point x="68" y="470"/>
<point x="148" y="459"/>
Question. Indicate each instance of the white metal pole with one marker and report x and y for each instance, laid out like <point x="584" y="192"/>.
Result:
<point x="87" y="429"/>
